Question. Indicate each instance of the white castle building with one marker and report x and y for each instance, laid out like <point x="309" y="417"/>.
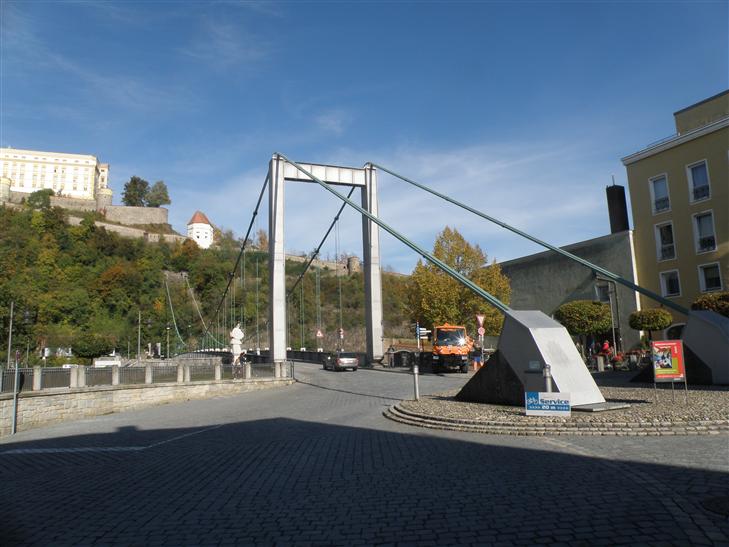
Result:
<point x="78" y="176"/>
<point x="200" y="230"/>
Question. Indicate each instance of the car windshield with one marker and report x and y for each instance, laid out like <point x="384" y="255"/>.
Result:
<point x="451" y="337"/>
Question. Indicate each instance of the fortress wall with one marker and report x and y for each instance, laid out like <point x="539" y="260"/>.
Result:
<point x="136" y="215"/>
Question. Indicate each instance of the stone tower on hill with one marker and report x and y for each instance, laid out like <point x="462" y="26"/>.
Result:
<point x="200" y="230"/>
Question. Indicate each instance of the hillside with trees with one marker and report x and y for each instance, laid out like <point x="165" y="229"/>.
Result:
<point x="84" y="287"/>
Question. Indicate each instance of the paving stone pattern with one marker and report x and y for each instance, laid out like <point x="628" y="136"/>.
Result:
<point x="317" y="464"/>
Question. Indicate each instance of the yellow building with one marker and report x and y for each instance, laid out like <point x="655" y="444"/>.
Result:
<point x="679" y="193"/>
<point x="77" y="176"/>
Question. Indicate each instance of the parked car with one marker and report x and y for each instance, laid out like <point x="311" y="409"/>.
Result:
<point x="342" y="361"/>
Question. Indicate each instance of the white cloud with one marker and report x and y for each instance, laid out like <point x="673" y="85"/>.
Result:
<point x="333" y="121"/>
<point x="224" y="45"/>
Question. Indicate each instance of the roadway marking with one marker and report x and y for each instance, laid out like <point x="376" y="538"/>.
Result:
<point x="97" y="449"/>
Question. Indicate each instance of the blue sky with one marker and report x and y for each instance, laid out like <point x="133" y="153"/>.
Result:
<point x="522" y="109"/>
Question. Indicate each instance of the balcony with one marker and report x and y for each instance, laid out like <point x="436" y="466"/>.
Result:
<point x="707" y="243"/>
<point x="701" y="192"/>
<point x="661" y="204"/>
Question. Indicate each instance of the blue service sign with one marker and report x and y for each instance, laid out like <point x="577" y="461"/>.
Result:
<point x="547" y="404"/>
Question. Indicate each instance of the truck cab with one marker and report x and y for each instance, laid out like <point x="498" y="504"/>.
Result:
<point x="451" y="347"/>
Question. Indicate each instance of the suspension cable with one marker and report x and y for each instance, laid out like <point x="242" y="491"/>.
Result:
<point x="491" y="299"/>
<point x="243" y="246"/>
<point x="593" y="267"/>
<point x="197" y="308"/>
<point x="172" y="311"/>
<point x="321" y="243"/>
<point x="339" y="277"/>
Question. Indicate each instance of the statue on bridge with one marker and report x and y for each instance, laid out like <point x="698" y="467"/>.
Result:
<point x="236" y="339"/>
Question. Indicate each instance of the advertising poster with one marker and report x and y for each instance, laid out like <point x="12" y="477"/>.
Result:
<point x="547" y="404"/>
<point x="667" y="359"/>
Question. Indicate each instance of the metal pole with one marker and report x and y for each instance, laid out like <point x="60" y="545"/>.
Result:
<point x="15" y="395"/>
<point x="416" y="370"/>
<point x="612" y="321"/>
<point x="10" y="332"/>
<point x="547" y="373"/>
<point x="139" y="336"/>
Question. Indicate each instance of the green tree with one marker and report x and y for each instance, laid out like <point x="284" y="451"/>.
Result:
<point x="584" y="317"/>
<point x="650" y="320"/>
<point x="90" y="345"/>
<point x="40" y="199"/>
<point x="135" y="192"/>
<point x="435" y="298"/>
<point x="715" y="301"/>
<point x="158" y="195"/>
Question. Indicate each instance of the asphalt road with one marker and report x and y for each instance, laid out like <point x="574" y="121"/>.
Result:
<point x="316" y="463"/>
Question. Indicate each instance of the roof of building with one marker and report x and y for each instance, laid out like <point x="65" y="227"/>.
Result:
<point x="199" y="218"/>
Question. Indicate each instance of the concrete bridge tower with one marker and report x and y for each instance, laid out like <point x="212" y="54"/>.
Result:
<point x="280" y="171"/>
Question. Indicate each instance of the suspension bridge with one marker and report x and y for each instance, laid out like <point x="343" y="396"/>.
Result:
<point x="527" y="336"/>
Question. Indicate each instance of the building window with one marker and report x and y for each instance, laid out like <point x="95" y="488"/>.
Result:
<point x="670" y="284"/>
<point x="659" y="194"/>
<point x="665" y="246"/>
<point x="704" y="232"/>
<point x="698" y="178"/>
<point x="710" y="277"/>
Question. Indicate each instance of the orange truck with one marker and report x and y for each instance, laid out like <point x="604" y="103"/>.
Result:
<point x="451" y="347"/>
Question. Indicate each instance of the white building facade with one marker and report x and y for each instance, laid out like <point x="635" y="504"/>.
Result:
<point x="77" y="176"/>
<point x="200" y="230"/>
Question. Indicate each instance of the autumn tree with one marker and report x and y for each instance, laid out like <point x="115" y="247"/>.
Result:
<point x="40" y="199"/>
<point x="714" y="301"/>
<point x="158" y="195"/>
<point x="435" y="298"/>
<point x="135" y="192"/>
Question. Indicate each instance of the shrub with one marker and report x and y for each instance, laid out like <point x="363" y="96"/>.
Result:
<point x="581" y="317"/>
<point x="715" y="301"/>
<point x="650" y="320"/>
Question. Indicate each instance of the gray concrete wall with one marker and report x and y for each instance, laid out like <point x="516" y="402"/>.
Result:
<point x="37" y="409"/>
<point x="545" y="281"/>
<point x="136" y="215"/>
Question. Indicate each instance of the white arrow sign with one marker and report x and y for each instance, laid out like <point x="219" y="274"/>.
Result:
<point x="480" y="319"/>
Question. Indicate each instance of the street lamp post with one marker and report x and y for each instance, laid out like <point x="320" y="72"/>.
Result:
<point x="167" y="355"/>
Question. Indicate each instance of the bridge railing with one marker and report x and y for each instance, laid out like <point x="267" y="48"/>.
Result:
<point x="185" y="371"/>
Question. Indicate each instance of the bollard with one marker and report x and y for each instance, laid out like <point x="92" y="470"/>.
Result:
<point x="180" y="373"/>
<point x="547" y="373"/>
<point x="114" y="375"/>
<point x="248" y="370"/>
<point x="415" y="381"/>
<point x="148" y="373"/>
<point x="218" y="372"/>
<point x="37" y="371"/>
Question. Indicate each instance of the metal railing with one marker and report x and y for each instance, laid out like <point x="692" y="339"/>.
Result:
<point x="164" y="374"/>
<point x="192" y="370"/>
<point x="98" y="376"/>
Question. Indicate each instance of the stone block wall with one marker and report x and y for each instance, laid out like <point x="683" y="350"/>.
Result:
<point x="136" y="215"/>
<point x="46" y="407"/>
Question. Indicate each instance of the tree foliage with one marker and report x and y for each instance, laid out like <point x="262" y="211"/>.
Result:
<point x="435" y="298"/>
<point x="715" y="301"/>
<point x="158" y="195"/>
<point x="90" y="345"/>
<point x="650" y="320"/>
<point x="584" y="317"/>
<point x="135" y="192"/>
<point x="40" y="199"/>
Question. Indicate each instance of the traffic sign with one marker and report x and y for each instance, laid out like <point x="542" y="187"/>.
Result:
<point x="341" y="333"/>
<point x="319" y="334"/>
<point x="480" y="319"/>
<point x="481" y="331"/>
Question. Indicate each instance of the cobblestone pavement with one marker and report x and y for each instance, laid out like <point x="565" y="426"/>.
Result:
<point x="317" y="464"/>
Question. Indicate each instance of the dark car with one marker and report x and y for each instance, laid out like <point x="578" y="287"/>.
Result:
<point x="342" y="361"/>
